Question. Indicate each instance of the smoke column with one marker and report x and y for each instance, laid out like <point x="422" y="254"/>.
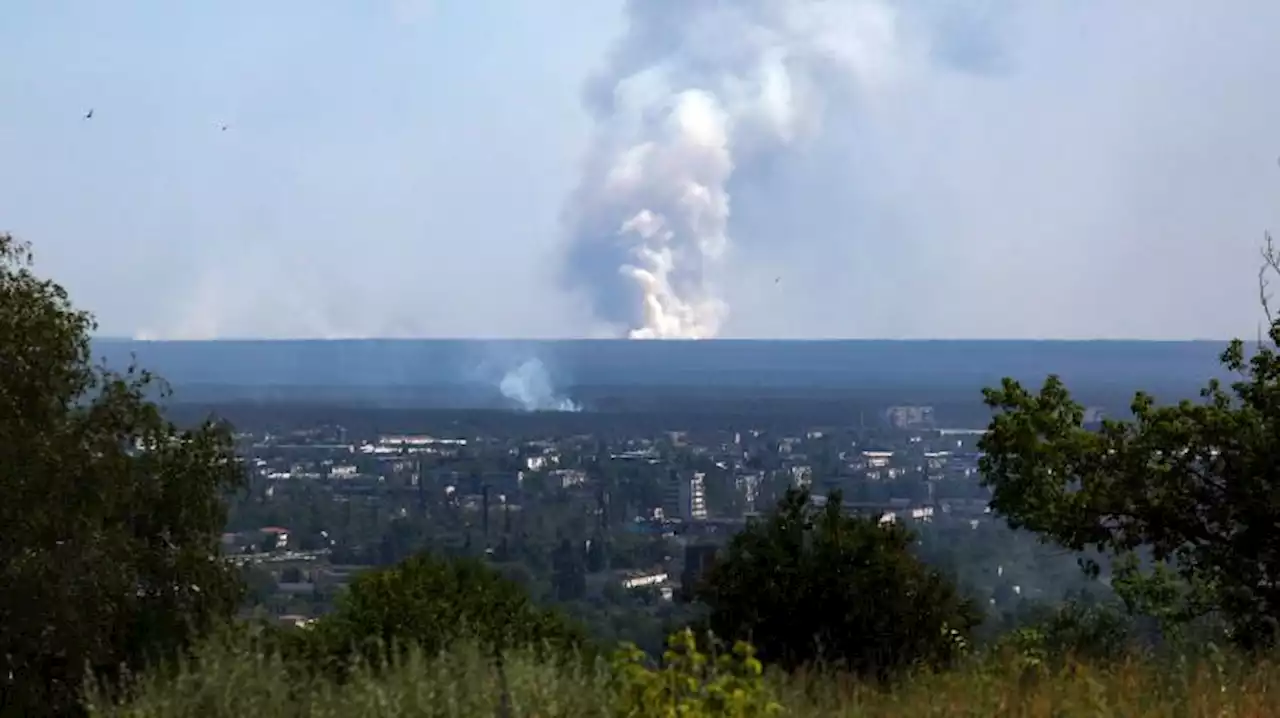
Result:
<point x="692" y="88"/>
<point x="529" y="386"/>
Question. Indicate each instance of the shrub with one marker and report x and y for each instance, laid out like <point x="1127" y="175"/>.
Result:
<point x="692" y="684"/>
<point x="429" y="603"/>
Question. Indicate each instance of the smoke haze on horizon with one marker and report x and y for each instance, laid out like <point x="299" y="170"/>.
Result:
<point x="865" y="168"/>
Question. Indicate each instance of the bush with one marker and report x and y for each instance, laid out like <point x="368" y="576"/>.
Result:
<point x="691" y="683"/>
<point x="1098" y="634"/>
<point x="428" y="603"/>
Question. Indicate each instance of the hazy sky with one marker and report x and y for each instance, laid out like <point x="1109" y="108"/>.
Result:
<point x="1058" y="168"/>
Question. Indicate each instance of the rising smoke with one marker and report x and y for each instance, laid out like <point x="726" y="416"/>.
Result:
<point x="693" y="88"/>
<point x="529" y="386"/>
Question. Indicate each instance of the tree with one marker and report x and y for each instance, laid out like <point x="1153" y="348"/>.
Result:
<point x="430" y="602"/>
<point x="569" y="576"/>
<point x="597" y="559"/>
<point x="809" y="585"/>
<point x="1046" y="634"/>
<point x="109" y="526"/>
<point x="1196" y="485"/>
<point x="259" y="584"/>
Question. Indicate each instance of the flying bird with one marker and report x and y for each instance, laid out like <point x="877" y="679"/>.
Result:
<point x="89" y="115"/>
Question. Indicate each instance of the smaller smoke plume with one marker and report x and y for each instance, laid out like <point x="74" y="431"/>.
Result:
<point x="529" y="386"/>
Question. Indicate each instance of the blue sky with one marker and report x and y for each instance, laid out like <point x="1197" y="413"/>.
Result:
<point x="401" y="168"/>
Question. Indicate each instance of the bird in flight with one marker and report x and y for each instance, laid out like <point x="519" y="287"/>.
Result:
<point x="89" y="115"/>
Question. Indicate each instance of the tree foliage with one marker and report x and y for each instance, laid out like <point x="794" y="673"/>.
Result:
<point x="1073" y="631"/>
<point x="816" y="586"/>
<point x="110" y="520"/>
<point x="1196" y="484"/>
<point x="431" y="602"/>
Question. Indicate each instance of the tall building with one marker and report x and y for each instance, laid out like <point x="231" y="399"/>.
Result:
<point x="685" y="496"/>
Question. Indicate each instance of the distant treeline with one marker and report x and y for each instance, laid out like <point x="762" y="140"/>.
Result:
<point x="620" y="411"/>
<point x="726" y="383"/>
<point x="461" y="367"/>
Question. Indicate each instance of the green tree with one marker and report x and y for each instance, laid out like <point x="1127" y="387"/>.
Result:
<point x="430" y="602"/>
<point x="1074" y="630"/>
<point x="569" y="575"/>
<point x="598" y="554"/>
<point x="109" y="526"/>
<point x="1195" y="486"/>
<point x="259" y="584"/>
<point x="813" y="585"/>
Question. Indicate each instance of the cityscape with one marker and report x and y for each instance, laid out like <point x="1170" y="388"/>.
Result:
<point x="627" y="524"/>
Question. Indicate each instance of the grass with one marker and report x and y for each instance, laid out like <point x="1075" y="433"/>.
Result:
<point x="227" y="680"/>
<point x="1131" y="689"/>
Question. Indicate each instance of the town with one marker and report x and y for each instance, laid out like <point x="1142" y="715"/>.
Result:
<point x="619" y="526"/>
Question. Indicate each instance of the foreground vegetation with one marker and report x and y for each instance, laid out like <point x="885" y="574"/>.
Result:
<point x="233" y="679"/>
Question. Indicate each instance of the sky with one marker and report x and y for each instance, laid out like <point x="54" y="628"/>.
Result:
<point x="987" y="169"/>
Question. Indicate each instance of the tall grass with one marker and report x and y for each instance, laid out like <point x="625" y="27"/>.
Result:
<point x="1005" y="687"/>
<point x="234" y="680"/>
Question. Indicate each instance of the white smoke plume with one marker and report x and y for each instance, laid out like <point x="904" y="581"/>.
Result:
<point x="530" y="387"/>
<point x="693" y="88"/>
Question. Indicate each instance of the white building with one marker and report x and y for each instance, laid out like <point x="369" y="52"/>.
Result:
<point x="343" y="471"/>
<point x="876" y="459"/>
<point x="801" y="476"/>
<point x="644" y="579"/>
<point x="566" y="478"/>
<point x="749" y="485"/>
<point x="686" y="496"/>
<point x="907" y="417"/>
